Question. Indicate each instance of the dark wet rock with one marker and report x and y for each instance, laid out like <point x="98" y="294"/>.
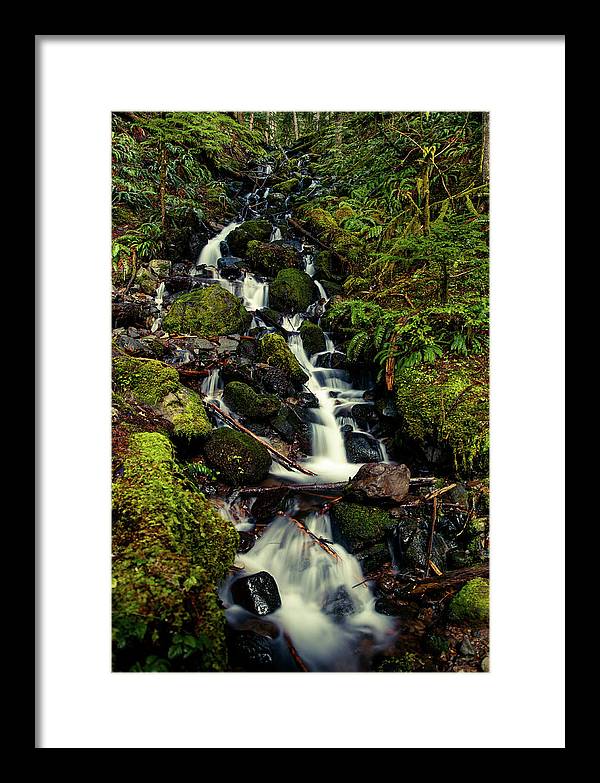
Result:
<point x="181" y="357"/>
<point x="230" y="267"/>
<point x="380" y="482"/>
<point x="365" y="416"/>
<point x="346" y="428"/>
<point x="458" y="558"/>
<point x="139" y="311"/>
<point x="249" y="652"/>
<point x="386" y="408"/>
<point x="308" y="399"/>
<point x="178" y="284"/>
<point x="466" y="648"/>
<point x="238" y="370"/>
<point x="289" y="424"/>
<point x="133" y="332"/>
<point x="247" y="541"/>
<point x="387" y="607"/>
<point x="407" y="541"/>
<point x="339" y="605"/>
<point x="459" y="495"/>
<point x="134" y="347"/>
<point x="333" y="360"/>
<point x="227" y="345"/>
<point x="275" y="380"/>
<point x="361" y="447"/>
<point x="257" y="593"/>
<point x="374" y="557"/>
<point x="266" y="506"/>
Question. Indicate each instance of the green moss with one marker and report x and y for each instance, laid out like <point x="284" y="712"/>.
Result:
<point x="170" y="550"/>
<point x="360" y="525"/>
<point x="147" y="380"/>
<point x="313" y="338"/>
<point x="286" y="186"/>
<point x="319" y="221"/>
<point x="207" y="312"/>
<point x="239" y="238"/>
<point x="238" y="457"/>
<point x="407" y="662"/>
<point x="244" y="400"/>
<point x="275" y="351"/>
<point x="152" y="383"/>
<point x="187" y="414"/>
<point x="274" y="315"/>
<point x="472" y="602"/>
<point x="326" y="266"/>
<point x="271" y="258"/>
<point x="446" y="403"/>
<point x="292" y="291"/>
<point x="146" y="281"/>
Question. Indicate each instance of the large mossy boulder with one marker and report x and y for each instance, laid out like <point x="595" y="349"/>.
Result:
<point x="444" y="409"/>
<point x="269" y="258"/>
<point x="238" y="239"/>
<point x="472" y="603"/>
<point x="207" y="312"/>
<point x="245" y="401"/>
<point x="287" y="186"/>
<point x="358" y="526"/>
<point x="275" y="352"/>
<point x="313" y="338"/>
<point x="318" y="221"/>
<point x="170" y="551"/>
<point x="292" y="291"/>
<point x="152" y="383"/>
<point x="239" y="458"/>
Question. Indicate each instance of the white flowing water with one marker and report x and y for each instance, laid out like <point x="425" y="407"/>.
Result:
<point x="327" y="612"/>
<point x="329" y="616"/>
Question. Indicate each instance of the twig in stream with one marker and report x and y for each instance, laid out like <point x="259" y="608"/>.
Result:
<point x="430" y="537"/>
<point x="294" y="653"/>
<point x="320" y="541"/>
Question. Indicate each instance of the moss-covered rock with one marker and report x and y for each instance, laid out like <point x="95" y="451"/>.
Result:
<point x="313" y="338"/>
<point x="239" y="238"/>
<point x="292" y="291"/>
<point x="207" y="312"/>
<point x="170" y="550"/>
<point x="326" y="266"/>
<point x="472" y="602"/>
<point x="146" y="281"/>
<point x="318" y="221"/>
<point x="445" y="405"/>
<point x="275" y="351"/>
<point x="150" y="382"/>
<point x="238" y="457"/>
<point x="287" y="186"/>
<point x="269" y="258"/>
<point x="358" y="526"/>
<point x="245" y="401"/>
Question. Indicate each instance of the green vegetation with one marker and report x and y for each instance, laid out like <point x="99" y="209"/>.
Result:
<point x="170" y="550"/>
<point x="271" y="258"/>
<point x="472" y="602"/>
<point x="250" y="231"/>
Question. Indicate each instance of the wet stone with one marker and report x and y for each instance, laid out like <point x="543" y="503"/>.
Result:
<point x="250" y="652"/>
<point x="257" y="593"/>
<point x="466" y="648"/>
<point x="247" y="541"/>
<point x="339" y="605"/>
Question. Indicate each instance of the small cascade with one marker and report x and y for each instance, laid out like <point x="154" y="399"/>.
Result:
<point x="211" y="252"/>
<point x="276" y="234"/>
<point x="158" y="301"/>
<point x="330" y="620"/>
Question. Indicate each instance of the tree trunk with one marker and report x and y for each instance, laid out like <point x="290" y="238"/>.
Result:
<point x="295" y="118"/>
<point x="485" y="153"/>
<point x="251" y="120"/>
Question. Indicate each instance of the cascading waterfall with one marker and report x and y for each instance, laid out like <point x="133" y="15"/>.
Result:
<point x="327" y="610"/>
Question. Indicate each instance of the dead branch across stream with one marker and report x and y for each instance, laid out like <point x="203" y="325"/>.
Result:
<point x="277" y="456"/>
<point x="332" y="486"/>
<point x="449" y="579"/>
<point x="323" y="544"/>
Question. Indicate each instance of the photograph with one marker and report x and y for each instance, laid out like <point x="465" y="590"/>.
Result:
<point x="300" y="391"/>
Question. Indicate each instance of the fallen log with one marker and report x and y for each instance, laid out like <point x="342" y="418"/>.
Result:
<point x="277" y="456"/>
<point x="335" y="486"/>
<point x="449" y="579"/>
